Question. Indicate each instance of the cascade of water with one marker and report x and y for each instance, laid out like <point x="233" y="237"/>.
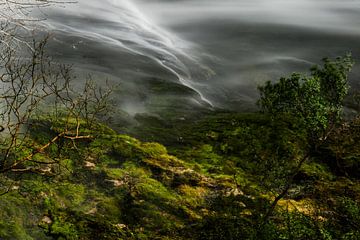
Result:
<point x="141" y="43"/>
<point x="119" y="23"/>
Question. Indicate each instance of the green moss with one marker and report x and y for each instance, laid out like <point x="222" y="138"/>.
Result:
<point x="18" y="218"/>
<point x="193" y="196"/>
<point x="13" y="230"/>
<point x="203" y="154"/>
<point x="72" y="194"/>
<point x="154" y="191"/>
<point x="154" y="150"/>
<point x="205" y="185"/>
<point x="317" y="170"/>
<point x="64" y="230"/>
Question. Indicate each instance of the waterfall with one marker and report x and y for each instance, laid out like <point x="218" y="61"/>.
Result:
<point x="200" y="52"/>
<point x="119" y="25"/>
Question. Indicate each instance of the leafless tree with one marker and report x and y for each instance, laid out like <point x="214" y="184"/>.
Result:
<point x="35" y="89"/>
<point x="28" y="86"/>
<point x="17" y="20"/>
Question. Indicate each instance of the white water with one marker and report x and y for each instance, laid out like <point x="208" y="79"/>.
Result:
<point x="120" y="26"/>
<point x="325" y="15"/>
<point x="219" y="50"/>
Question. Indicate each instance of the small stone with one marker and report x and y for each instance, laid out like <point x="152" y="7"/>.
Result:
<point x="92" y="211"/>
<point x="46" y="170"/>
<point x="46" y="220"/>
<point x="117" y="183"/>
<point x="121" y="226"/>
<point x="89" y="164"/>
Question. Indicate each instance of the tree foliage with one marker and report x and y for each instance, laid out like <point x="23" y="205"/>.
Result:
<point x="315" y="100"/>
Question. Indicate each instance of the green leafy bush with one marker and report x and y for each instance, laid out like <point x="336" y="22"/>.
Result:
<point x="315" y="100"/>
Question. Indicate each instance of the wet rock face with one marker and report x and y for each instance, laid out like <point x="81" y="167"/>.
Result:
<point x="113" y="40"/>
<point x="193" y="54"/>
<point x="246" y="42"/>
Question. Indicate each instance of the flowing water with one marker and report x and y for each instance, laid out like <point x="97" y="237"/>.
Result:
<point x="169" y="55"/>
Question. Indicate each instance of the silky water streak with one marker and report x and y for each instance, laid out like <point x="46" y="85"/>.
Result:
<point x="114" y="39"/>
